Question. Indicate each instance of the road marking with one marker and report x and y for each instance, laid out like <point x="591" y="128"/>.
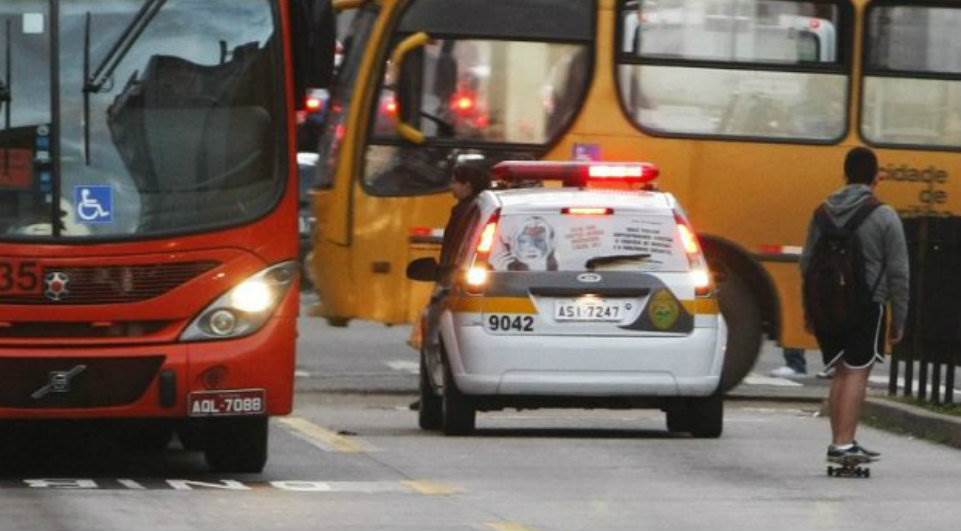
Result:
<point x="419" y="488"/>
<point x="323" y="438"/>
<point x="508" y="526"/>
<point x="430" y="488"/>
<point x="757" y="379"/>
<point x="301" y="374"/>
<point x="411" y="367"/>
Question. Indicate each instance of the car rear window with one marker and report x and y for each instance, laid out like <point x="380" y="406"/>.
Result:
<point x="563" y="242"/>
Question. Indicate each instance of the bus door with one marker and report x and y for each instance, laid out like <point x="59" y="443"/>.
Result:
<point x="492" y="81"/>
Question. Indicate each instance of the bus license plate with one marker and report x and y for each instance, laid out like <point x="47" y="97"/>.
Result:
<point x="227" y="403"/>
<point x="590" y="309"/>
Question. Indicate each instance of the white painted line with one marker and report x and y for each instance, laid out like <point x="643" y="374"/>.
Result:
<point x="301" y="374"/>
<point x="323" y="438"/>
<point x="757" y="379"/>
<point x="411" y="367"/>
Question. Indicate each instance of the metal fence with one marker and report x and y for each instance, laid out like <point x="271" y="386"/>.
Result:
<point x="924" y="365"/>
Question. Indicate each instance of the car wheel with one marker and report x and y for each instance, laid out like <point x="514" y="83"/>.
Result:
<point x="458" y="409"/>
<point x="677" y="417"/>
<point x="706" y="416"/>
<point x="744" y="329"/>
<point x="236" y="445"/>
<point x="430" y="414"/>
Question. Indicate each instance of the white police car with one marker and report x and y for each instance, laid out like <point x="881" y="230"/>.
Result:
<point x="581" y="296"/>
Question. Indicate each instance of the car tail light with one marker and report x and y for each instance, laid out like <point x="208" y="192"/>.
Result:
<point x="479" y="270"/>
<point x="700" y="272"/>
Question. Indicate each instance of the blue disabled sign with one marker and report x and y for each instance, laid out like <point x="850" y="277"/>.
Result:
<point x="93" y="203"/>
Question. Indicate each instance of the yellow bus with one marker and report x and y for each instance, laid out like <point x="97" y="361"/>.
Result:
<point x="747" y="106"/>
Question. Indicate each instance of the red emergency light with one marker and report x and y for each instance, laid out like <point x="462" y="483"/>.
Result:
<point x="577" y="174"/>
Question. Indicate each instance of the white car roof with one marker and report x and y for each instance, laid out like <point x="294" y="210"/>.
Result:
<point x="536" y="199"/>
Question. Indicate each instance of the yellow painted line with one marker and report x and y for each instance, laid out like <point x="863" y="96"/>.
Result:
<point x="323" y="438"/>
<point x="493" y="305"/>
<point x="430" y="488"/>
<point x="702" y="307"/>
<point x="509" y="526"/>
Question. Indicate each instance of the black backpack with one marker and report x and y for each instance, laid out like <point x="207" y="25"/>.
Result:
<point x="836" y="294"/>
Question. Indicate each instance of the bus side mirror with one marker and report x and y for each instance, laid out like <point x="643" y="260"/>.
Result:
<point x="423" y="270"/>
<point x="313" y="29"/>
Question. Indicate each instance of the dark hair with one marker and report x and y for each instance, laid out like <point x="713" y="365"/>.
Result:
<point x="860" y="166"/>
<point x="474" y="173"/>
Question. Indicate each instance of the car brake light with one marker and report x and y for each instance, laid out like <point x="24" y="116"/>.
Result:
<point x="578" y="173"/>
<point x="487" y="238"/>
<point x="580" y="211"/>
<point x="478" y="272"/>
<point x="700" y="272"/>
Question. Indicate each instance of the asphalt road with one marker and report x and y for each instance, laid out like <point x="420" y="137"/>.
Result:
<point x="359" y="462"/>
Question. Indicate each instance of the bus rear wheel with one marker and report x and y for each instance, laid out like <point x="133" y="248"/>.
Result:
<point x="744" y="329"/>
<point x="236" y="445"/>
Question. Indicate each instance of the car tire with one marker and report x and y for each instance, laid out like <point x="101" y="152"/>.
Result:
<point x="236" y="445"/>
<point x="458" y="410"/>
<point x="706" y="416"/>
<point x="677" y="417"/>
<point x="744" y="329"/>
<point x="430" y="414"/>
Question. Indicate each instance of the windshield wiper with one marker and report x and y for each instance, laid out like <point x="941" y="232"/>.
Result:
<point x="6" y="84"/>
<point x="95" y="83"/>
<point x="613" y="259"/>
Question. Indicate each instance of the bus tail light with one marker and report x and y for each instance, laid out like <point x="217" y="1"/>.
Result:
<point x="700" y="272"/>
<point x="246" y="307"/>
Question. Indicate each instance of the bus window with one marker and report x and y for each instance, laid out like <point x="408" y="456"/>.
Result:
<point x="355" y="44"/>
<point x="762" y="69"/>
<point x="474" y="93"/>
<point x="912" y="92"/>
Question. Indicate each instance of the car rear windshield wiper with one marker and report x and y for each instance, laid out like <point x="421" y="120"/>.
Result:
<point x="95" y="82"/>
<point x="614" y="258"/>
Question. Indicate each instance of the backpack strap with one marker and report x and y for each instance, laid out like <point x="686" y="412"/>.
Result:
<point x="862" y="213"/>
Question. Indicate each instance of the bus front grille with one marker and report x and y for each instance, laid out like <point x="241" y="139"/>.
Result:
<point x="99" y="330"/>
<point x="53" y="383"/>
<point x="113" y="284"/>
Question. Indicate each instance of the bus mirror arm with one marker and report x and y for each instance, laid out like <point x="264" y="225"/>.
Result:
<point x="415" y="41"/>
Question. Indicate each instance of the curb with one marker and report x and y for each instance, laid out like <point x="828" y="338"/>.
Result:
<point x="919" y="422"/>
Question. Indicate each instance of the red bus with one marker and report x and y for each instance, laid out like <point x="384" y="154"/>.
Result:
<point x="148" y="214"/>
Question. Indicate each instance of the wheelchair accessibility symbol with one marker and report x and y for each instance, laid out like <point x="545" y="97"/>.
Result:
<point x="94" y="204"/>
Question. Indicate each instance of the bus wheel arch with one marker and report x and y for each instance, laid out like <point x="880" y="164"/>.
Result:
<point x="749" y="301"/>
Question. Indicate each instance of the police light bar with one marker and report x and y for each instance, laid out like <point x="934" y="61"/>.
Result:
<point x="578" y="174"/>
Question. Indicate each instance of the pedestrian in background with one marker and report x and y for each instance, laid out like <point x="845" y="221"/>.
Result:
<point x="855" y="261"/>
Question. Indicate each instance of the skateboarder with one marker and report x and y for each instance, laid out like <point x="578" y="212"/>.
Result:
<point x="854" y="263"/>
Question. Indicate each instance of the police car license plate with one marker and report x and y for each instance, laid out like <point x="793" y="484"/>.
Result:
<point x="227" y="403"/>
<point x="589" y="309"/>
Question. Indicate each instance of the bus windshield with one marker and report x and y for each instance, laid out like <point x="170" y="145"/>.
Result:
<point x="138" y="118"/>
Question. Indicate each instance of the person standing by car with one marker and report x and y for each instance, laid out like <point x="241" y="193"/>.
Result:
<point x="470" y="178"/>
<point x="855" y="261"/>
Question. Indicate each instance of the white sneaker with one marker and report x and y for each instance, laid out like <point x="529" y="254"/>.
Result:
<point x="786" y="372"/>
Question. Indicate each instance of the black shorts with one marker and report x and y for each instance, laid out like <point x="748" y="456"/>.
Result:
<point x="862" y="347"/>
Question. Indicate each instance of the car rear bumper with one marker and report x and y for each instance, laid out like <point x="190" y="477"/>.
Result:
<point x="485" y="364"/>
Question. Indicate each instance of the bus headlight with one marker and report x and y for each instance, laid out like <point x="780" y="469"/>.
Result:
<point x="244" y="309"/>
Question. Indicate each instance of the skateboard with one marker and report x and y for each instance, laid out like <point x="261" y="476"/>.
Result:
<point x="850" y="468"/>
